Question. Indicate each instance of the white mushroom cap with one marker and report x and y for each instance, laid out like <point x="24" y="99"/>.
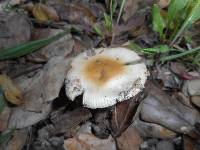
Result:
<point x="105" y="76"/>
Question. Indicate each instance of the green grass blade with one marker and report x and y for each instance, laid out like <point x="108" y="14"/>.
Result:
<point x="113" y="6"/>
<point x="175" y="7"/>
<point x="167" y="58"/>
<point x="108" y="22"/>
<point x="158" y="21"/>
<point x="193" y="16"/>
<point x="98" y="30"/>
<point x="27" y="48"/>
<point x="121" y="10"/>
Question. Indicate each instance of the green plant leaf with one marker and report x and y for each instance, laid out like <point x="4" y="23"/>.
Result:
<point x="197" y="59"/>
<point x="113" y="6"/>
<point x="6" y="135"/>
<point x="175" y="7"/>
<point x="108" y="22"/>
<point x="98" y="30"/>
<point x="167" y="58"/>
<point x="121" y="10"/>
<point x="2" y="101"/>
<point x="134" y="46"/>
<point x="192" y="17"/>
<point x="163" y="48"/>
<point x="155" y="50"/>
<point x="158" y="21"/>
<point x="26" y="48"/>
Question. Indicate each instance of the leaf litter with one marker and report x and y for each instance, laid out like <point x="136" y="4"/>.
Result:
<point x="165" y="116"/>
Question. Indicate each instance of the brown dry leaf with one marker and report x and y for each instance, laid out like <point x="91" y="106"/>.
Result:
<point x="11" y="91"/>
<point x="135" y="26"/>
<point x="4" y="117"/>
<point x="61" y="47"/>
<point x="76" y="14"/>
<point x="64" y="122"/>
<point x="123" y="113"/>
<point x="191" y="87"/>
<point x="85" y="140"/>
<point x="130" y="139"/>
<point x="130" y="9"/>
<point x="196" y="100"/>
<point x="21" y="118"/>
<point x="14" y="28"/>
<point x="160" y="108"/>
<point x="45" y="85"/>
<point x="44" y="13"/>
<point x="39" y="91"/>
<point x="28" y="7"/>
<point x="190" y="144"/>
<point x="169" y="79"/>
<point x="101" y="123"/>
<point x="18" y="140"/>
<point x="153" y="130"/>
<point x="181" y="70"/>
<point x="15" y="2"/>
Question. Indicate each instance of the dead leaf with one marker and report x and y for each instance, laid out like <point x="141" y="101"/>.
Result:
<point x="165" y="144"/>
<point x="64" y="122"/>
<point x="160" y="108"/>
<point x="169" y="79"/>
<point x="185" y="100"/>
<point x="28" y="7"/>
<point x="45" y="85"/>
<point x="130" y="9"/>
<point x="190" y="144"/>
<point x="196" y="100"/>
<point x="101" y="124"/>
<point x="76" y="14"/>
<point x="14" y="28"/>
<point x="85" y="140"/>
<point x="4" y="117"/>
<point x="44" y="13"/>
<point x="123" y="113"/>
<point x="21" y="118"/>
<point x="18" y="140"/>
<point x="191" y="87"/>
<point x="61" y="47"/>
<point x="11" y="91"/>
<point x="134" y="26"/>
<point x="180" y="70"/>
<point x="130" y="139"/>
<point x="153" y="130"/>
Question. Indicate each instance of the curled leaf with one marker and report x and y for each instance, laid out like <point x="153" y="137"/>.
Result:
<point x="76" y="14"/>
<point x="11" y="91"/>
<point x="44" y="13"/>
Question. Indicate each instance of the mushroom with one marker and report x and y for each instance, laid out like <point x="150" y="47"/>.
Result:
<point x="105" y="76"/>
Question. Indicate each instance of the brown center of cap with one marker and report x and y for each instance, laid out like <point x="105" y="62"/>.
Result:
<point x="99" y="70"/>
